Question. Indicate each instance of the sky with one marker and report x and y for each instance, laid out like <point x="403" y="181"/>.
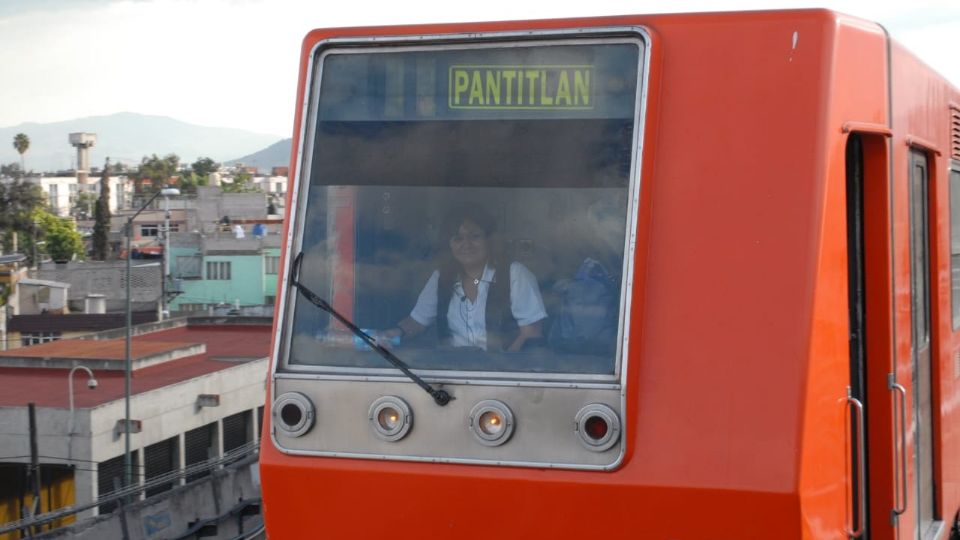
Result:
<point x="233" y="63"/>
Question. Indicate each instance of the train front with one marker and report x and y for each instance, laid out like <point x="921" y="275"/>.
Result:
<point x="458" y="317"/>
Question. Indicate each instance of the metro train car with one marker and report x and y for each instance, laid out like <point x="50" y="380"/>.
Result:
<point x="671" y="276"/>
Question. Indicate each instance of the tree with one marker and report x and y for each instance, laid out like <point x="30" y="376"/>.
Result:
<point x="63" y="240"/>
<point x="21" y="142"/>
<point x="101" y="216"/>
<point x="12" y="170"/>
<point x="204" y="166"/>
<point x="83" y="205"/>
<point x="157" y="170"/>
<point x="18" y="201"/>
<point x="241" y="184"/>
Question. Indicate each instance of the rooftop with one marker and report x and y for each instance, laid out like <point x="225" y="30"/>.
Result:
<point x="225" y="346"/>
<point x="76" y="322"/>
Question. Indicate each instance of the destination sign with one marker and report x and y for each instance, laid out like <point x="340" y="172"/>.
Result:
<point x="562" y="80"/>
<point x="521" y="87"/>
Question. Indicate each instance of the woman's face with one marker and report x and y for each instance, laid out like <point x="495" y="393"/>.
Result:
<point x="469" y="245"/>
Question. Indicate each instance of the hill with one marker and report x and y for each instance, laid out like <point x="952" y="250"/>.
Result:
<point x="275" y="155"/>
<point x="126" y="138"/>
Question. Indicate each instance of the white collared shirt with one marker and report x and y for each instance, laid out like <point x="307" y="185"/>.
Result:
<point x="467" y="319"/>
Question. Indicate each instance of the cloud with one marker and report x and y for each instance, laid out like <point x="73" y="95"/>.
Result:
<point x="234" y="63"/>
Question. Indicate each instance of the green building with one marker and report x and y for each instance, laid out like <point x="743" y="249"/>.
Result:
<point x="212" y="271"/>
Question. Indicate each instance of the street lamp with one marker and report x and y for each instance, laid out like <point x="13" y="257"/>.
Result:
<point x="165" y="312"/>
<point x="91" y="384"/>
<point x="128" y="362"/>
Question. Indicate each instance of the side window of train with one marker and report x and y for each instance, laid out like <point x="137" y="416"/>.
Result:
<point x="919" y="248"/>
<point x="955" y="242"/>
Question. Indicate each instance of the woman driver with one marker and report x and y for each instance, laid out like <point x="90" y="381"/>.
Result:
<point x="480" y="309"/>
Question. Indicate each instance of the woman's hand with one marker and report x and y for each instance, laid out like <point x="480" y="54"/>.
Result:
<point x="530" y="331"/>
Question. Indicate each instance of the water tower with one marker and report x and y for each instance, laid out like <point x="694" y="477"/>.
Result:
<point x="82" y="142"/>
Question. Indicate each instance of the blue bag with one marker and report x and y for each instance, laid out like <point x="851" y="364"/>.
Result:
<point x="587" y="321"/>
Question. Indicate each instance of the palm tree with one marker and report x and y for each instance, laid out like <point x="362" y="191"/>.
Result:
<point x="21" y="142"/>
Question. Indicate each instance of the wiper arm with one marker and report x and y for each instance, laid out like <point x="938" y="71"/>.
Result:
<point x="439" y="395"/>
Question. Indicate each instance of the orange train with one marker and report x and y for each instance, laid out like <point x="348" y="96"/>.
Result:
<point x="669" y="276"/>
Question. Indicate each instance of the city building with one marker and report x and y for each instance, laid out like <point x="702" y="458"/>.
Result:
<point x="63" y="191"/>
<point x="197" y="393"/>
<point x="222" y="269"/>
<point x="12" y="270"/>
<point x="229" y="257"/>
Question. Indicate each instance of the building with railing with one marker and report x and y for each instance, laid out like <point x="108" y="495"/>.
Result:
<point x="197" y="393"/>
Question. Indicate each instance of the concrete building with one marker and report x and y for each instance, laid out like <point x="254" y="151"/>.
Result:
<point x="63" y="191"/>
<point x="198" y="392"/>
<point x="42" y="296"/>
<point x="227" y="255"/>
<point x="27" y="330"/>
<point x="224" y="270"/>
<point x="108" y="278"/>
<point x="12" y="270"/>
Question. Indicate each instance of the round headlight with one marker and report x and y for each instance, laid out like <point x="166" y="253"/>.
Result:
<point x="293" y="414"/>
<point x="491" y="422"/>
<point x="598" y="426"/>
<point x="390" y="418"/>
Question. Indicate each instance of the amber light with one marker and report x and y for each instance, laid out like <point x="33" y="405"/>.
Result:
<point x="491" y="422"/>
<point x="390" y="418"/>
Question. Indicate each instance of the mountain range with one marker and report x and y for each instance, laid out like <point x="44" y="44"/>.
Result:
<point x="275" y="155"/>
<point x="128" y="137"/>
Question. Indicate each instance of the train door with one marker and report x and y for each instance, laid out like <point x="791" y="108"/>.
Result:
<point x="872" y="430"/>
<point x="858" y="368"/>
<point x="921" y="372"/>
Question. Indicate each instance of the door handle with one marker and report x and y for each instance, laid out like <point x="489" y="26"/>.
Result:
<point x="856" y="529"/>
<point x="899" y="444"/>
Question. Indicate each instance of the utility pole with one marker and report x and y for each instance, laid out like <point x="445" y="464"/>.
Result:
<point x="34" y="460"/>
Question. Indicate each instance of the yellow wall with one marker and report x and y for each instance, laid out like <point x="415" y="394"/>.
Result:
<point x="57" y="490"/>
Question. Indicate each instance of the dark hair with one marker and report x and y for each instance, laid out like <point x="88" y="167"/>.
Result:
<point x="499" y="318"/>
<point x="451" y="223"/>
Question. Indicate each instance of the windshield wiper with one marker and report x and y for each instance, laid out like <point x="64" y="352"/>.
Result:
<point x="439" y="395"/>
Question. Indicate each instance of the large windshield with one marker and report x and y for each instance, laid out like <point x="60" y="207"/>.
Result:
<point x="469" y="206"/>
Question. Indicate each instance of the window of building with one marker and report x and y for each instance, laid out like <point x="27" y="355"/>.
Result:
<point x="199" y="445"/>
<point x="192" y="307"/>
<point x="188" y="266"/>
<point x="218" y="270"/>
<point x="150" y="230"/>
<point x="36" y="338"/>
<point x="272" y="264"/>
<point x="54" y="198"/>
<point x="158" y="460"/>
<point x="237" y="430"/>
<point x="269" y="300"/>
<point x="110" y="478"/>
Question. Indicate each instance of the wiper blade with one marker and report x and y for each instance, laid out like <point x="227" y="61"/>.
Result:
<point x="439" y="395"/>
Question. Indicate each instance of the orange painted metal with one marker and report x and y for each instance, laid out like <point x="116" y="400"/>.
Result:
<point x="739" y="354"/>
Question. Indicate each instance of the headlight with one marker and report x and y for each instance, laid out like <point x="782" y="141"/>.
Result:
<point x="491" y="422"/>
<point x="390" y="418"/>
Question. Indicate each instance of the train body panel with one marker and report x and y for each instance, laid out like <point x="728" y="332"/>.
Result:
<point x="758" y="130"/>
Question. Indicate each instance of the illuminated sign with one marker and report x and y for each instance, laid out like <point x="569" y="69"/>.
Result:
<point x="520" y="87"/>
